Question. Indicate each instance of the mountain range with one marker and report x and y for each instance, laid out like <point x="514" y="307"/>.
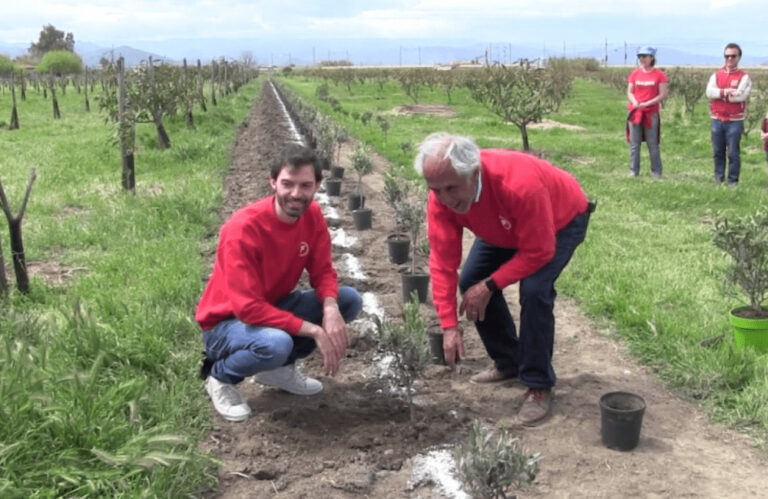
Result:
<point x="364" y="52"/>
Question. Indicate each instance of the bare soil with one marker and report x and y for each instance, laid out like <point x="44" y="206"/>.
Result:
<point x="431" y="109"/>
<point x="355" y="439"/>
<point x="547" y="124"/>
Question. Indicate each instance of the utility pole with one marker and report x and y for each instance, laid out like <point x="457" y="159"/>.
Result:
<point x="606" y="53"/>
<point x="625" y="52"/>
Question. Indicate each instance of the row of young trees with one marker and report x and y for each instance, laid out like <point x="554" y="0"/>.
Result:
<point x="520" y="94"/>
<point x="152" y="92"/>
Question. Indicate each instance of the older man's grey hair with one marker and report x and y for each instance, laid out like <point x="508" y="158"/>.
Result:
<point x="461" y="151"/>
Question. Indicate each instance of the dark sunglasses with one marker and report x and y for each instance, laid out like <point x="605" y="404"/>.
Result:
<point x="731" y="56"/>
<point x="644" y="55"/>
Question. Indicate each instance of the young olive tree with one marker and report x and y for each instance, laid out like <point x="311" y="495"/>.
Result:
<point x="57" y="64"/>
<point x="489" y="466"/>
<point x="156" y="94"/>
<point x="745" y="240"/>
<point x="396" y="190"/>
<point x="688" y="85"/>
<point x="408" y="344"/>
<point x="519" y="95"/>
<point x="411" y="212"/>
<point x="410" y="81"/>
<point x="363" y="165"/>
<point x="383" y="125"/>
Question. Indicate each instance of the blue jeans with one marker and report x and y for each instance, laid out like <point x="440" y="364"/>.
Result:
<point x="239" y="350"/>
<point x="726" y="136"/>
<point x="530" y="354"/>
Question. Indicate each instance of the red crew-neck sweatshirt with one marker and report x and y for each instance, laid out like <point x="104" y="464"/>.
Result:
<point x="523" y="202"/>
<point x="259" y="260"/>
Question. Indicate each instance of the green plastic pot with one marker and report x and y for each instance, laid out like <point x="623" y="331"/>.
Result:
<point x="749" y="331"/>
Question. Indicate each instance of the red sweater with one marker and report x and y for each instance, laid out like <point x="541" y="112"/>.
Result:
<point x="259" y="260"/>
<point x="524" y="201"/>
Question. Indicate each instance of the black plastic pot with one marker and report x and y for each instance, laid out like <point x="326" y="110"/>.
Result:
<point x="337" y="172"/>
<point x="399" y="246"/>
<point x="621" y="417"/>
<point x="333" y="186"/>
<point x="362" y="218"/>
<point x="354" y="201"/>
<point x="418" y="282"/>
<point x="436" y="347"/>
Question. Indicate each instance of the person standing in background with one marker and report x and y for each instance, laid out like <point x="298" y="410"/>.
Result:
<point x="728" y="90"/>
<point x="647" y="87"/>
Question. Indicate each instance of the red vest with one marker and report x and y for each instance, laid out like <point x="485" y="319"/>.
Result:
<point x="722" y="109"/>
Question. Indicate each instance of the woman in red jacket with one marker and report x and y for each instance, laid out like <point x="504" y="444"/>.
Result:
<point x="647" y="87"/>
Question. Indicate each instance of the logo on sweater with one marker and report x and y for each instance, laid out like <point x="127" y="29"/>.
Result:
<point x="505" y="223"/>
<point x="303" y="249"/>
<point x="734" y="83"/>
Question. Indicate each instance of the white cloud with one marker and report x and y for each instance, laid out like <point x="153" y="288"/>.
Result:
<point x="481" y="19"/>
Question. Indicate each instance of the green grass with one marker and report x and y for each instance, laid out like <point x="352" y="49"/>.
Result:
<point x="648" y="270"/>
<point x="99" y="393"/>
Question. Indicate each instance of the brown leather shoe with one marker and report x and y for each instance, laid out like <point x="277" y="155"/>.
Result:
<point x="535" y="407"/>
<point x="492" y="375"/>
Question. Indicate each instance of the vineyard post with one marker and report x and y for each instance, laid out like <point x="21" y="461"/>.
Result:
<point x="14" y="113"/>
<point x="17" y="243"/>
<point x="85" y="93"/>
<point x="163" y="141"/>
<point x="3" y="278"/>
<point x="213" y="82"/>
<point x="200" y="94"/>
<point x="54" y="100"/>
<point x="188" y="119"/>
<point x="225" y="77"/>
<point x="125" y="128"/>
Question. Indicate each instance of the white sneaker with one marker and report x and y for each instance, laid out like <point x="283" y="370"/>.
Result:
<point x="227" y="400"/>
<point x="290" y="379"/>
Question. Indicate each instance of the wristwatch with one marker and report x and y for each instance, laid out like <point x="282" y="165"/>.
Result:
<point x="491" y="285"/>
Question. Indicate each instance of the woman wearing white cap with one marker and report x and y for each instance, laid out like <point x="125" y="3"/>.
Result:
<point x="647" y="88"/>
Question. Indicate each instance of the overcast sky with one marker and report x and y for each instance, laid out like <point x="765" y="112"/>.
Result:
<point x="540" y="22"/>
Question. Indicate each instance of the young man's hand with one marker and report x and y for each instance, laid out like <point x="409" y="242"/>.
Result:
<point x="327" y="344"/>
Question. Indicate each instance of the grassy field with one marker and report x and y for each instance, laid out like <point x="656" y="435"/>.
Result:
<point x="648" y="272"/>
<point x="98" y="387"/>
<point x="99" y="393"/>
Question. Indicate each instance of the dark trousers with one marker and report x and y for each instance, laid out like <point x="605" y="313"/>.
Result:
<point x="726" y="137"/>
<point x="530" y="354"/>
